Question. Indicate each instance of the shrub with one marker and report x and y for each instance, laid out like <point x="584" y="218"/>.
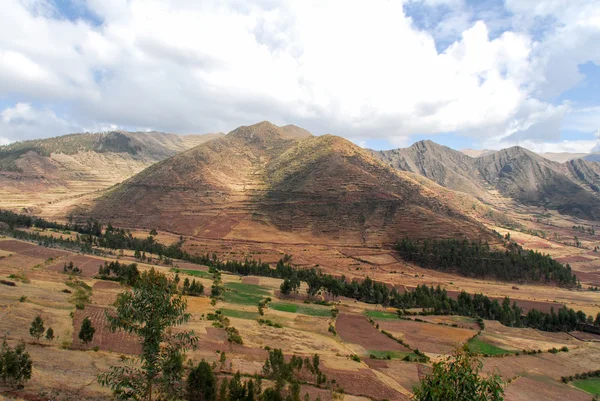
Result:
<point x="15" y="365"/>
<point x="457" y="379"/>
<point x="37" y="328"/>
<point x="86" y="334"/>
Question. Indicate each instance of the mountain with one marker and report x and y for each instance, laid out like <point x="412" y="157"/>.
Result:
<point x="477" y="152"/>
<point x="40" y="172"/>
<point x="261" y="182"/>
<point x="441" y="164"/>
<point x="515" y="173"/>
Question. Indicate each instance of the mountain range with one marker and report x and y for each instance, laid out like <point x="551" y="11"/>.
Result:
<point x="284" y="184"/>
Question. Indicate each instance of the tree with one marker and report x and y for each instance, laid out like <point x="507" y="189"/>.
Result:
<point x="50" y="334"/>
<point x="15" y="365"/>
<point x="201" y="383"/>
<point x="457" y="379"/>
<point x="86" y="333"/>
<point x="148" y="311"/>
<point x="37" y="328"/>
<point x="286" y="287"/>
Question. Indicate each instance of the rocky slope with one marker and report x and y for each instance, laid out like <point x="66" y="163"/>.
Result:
<point x="515" y="173"/>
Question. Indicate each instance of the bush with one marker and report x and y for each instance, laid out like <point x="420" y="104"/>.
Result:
<point x="355" y="358"/>
<point x="457" y="379"/>
<point x="15" y="365"/>
<point x="201" y="383"/>
<point x="86" y="334"/>
<point x="37" y="328"/>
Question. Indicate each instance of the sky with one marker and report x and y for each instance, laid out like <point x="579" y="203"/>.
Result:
<point x="482" y="74"/>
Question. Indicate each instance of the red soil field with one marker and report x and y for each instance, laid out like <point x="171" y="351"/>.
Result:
<point x="251" y="280"/>
<point x="31" y="250"/>
<point x="525" y="389"/>
<point x="428" y="337"/>
<point x="16" y="246"/>
<point x="573" y="259"/>
<point x="365" y="383"/>
<point x="356" y="329"/>
<point x="583" y="336"/>
<point x="104" y="338"/>
<point x="89" y="266"/>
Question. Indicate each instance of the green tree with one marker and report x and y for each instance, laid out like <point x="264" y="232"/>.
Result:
<point x="86" y="333"/>
<point x="37" y="328"/>
<point x="15" y="365"/>
<point x="50" y="334"/>
<point x="457" y="379"/>
<point x="201" y="383"/>
<point x="148" y="311"/>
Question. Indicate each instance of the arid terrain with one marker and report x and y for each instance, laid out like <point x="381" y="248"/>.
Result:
<point x="262" y="192"/>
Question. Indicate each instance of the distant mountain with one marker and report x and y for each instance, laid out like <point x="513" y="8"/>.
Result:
<point x="514" y="172"/>
<point x="261" y="182"/>
<point x="562" y="157"/>
<point x="43" y="171"/>
<point x="592" y="157"/>
<point x="477" y="152"/>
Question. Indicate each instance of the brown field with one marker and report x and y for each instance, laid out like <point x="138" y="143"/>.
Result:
<point x="302" y="334"/>
<point x="428" y="337"/>
<point x="518" y="339"/>
<point x="460" y="321"/>
<point x="583" y="336"/>
<point x="104" y="338"/>
<point x="356" y="329"/>
<point x="87" y="264"/>
<point x="525" y="389"/>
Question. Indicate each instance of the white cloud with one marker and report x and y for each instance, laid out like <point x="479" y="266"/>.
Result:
<point x="23" y="122"/>
<point x="357" y="69"/>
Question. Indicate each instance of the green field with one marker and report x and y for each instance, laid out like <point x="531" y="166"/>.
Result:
<point x="250" y="289"/>
<point x="195" y="273"/>
<point x="301" y="309"/>
<point x="591" y="386"/>
<point x="239" y="314"/>
<point x="234" y="297"/>
<point x="391" y="354"/>
<point x="376" y="314"/>
<point x="481" y="347"/>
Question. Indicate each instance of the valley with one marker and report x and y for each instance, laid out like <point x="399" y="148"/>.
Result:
<point x="263" y="192"/>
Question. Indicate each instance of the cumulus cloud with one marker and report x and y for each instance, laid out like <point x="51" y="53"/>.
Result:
<point x="23" y="122"/>
<point x="356" y="69"/>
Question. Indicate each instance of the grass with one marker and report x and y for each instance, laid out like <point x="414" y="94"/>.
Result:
<point x="481" y="347"/>
<point x="250" y="289"/>
<point x="376" y="314"/>
<point x="591" y="386"/>
<point x="195" y="273"/>
<point x="239" y="314"/>
<point x="389" y="354"/>
<point x="301" y="309"/>
<point x="243" y="299"/>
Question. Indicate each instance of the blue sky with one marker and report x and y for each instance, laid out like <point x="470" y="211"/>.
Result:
<point x="466" y="74"/>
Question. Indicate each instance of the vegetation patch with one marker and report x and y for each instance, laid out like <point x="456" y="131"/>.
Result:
<point x="591" y="386"/>
<point x="234" y="297"/>
<point x="238" y="314"/>
<point x="479" y="346"/>
<point x="376" y="314"/>
<point x="250" y="289"/>
<point x="195" y="273"/>
<point x="377" y="354"/>
<point x="301" y="309"/>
